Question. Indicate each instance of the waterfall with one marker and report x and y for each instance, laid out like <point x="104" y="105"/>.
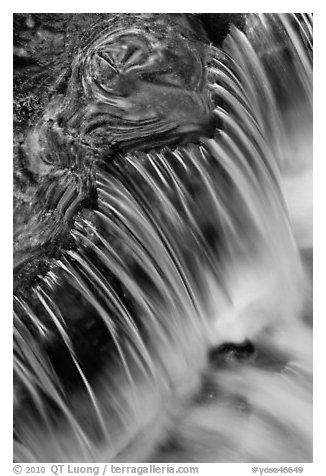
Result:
<point x="155" y="244"/>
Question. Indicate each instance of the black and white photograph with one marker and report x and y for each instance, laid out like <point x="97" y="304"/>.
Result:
<point x="163" y="239"/>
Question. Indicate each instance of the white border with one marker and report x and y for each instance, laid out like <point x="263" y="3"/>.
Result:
<point x="317" y="468"/>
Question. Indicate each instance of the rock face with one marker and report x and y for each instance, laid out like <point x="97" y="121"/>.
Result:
<point x="131" y="82"/>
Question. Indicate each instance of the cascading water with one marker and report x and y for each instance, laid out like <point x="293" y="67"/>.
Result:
<point x="161" y="291"/>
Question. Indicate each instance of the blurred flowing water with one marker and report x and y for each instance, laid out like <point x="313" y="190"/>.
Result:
<point x="174" y="322"/>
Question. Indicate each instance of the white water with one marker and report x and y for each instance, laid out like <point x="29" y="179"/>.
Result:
<point x="161" y="399"/>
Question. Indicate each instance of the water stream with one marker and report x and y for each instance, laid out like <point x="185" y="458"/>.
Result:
<point x="172" y="237"/>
